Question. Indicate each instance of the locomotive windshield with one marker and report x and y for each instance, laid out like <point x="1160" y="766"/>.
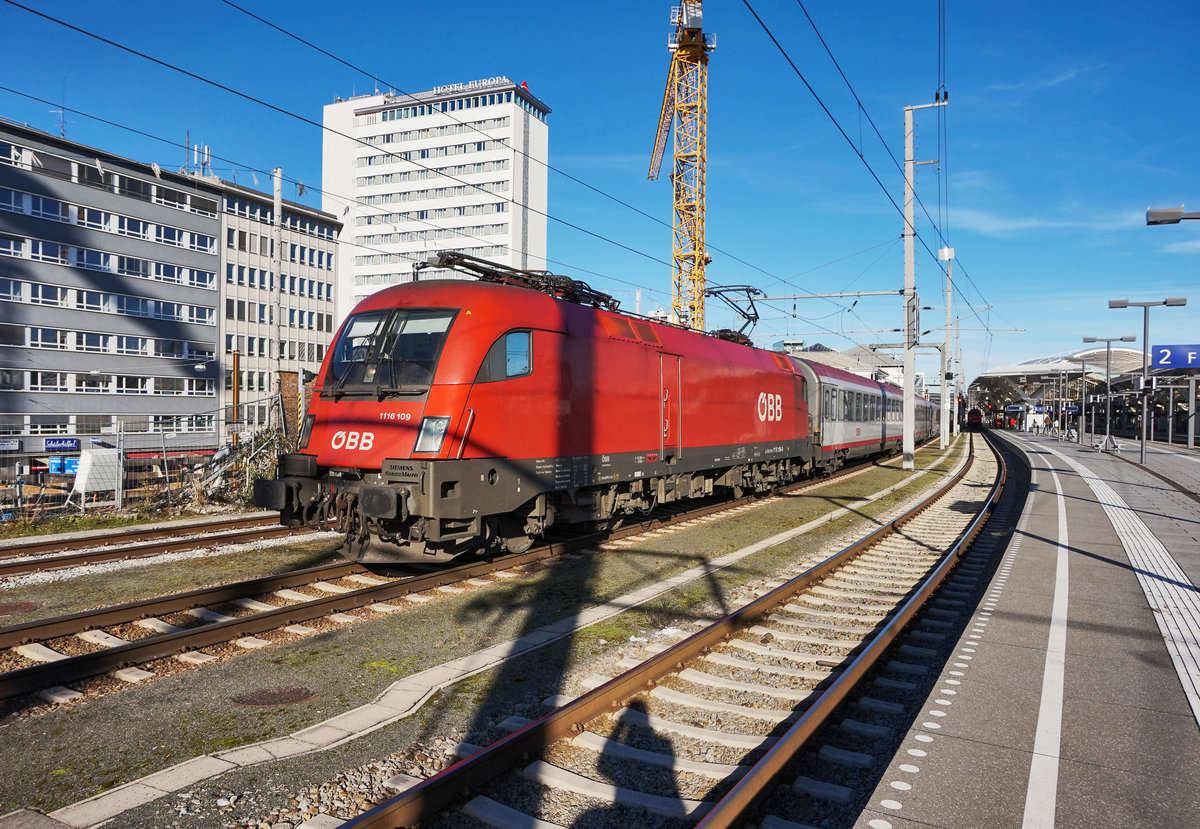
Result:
<point x="393" y="350"/>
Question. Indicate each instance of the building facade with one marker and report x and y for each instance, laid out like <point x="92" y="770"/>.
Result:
<point x="273" y="328"/>
<point x="460" y="167"/>
<point x="116" y="284"/>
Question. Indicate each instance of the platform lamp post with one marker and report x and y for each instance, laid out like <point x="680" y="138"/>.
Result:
<point x="1108" y="341"/>
<point x="1173" y="301"/>
<point x="1168" y="215"/>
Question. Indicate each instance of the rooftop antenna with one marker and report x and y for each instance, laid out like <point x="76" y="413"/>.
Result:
<point x="62" y="113"/>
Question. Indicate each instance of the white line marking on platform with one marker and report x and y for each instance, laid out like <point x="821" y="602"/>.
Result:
<point x="1042" y="792"/>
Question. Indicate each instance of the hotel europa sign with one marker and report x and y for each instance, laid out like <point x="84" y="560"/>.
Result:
<point x="471" y="86"/>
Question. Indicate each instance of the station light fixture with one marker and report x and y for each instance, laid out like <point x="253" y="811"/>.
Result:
<point x="1168" y="215"/>
<point x="1173" y="301"/>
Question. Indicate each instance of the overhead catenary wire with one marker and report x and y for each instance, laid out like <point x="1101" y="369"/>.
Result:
<point x="310" y="122"/>
<point x="468" y="124"/>
<point x="833" y="119"/>
<point x="301" y="118"/>
<point x="236" y="165"/>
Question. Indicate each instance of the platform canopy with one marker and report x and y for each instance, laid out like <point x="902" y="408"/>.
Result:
<point x="1124" y="361"/>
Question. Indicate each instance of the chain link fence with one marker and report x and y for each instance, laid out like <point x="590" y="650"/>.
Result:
<point x="143" y="466"/>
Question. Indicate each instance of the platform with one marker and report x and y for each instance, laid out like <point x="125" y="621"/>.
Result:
<point x="1073" y="697"/>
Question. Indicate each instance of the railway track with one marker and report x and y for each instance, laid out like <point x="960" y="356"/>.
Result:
<point x="701" y="732"/>
<point x="46" y="657"/>
<point x="18" y="556"/>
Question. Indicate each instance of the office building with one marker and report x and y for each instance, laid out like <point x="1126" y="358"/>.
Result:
<point x="459" y="167"/>
<point x="126" y="288"/>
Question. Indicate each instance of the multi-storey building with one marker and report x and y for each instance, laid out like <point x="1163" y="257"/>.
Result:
<point x="275" y="328"/>
<point x="460" y="167"/>
<point x="123" y="289"/>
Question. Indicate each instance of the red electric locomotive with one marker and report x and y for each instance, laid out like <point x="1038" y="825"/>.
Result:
<point x="453" y="413"/>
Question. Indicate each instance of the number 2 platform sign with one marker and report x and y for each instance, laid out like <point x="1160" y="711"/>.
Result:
<point x="1175" y="356"/>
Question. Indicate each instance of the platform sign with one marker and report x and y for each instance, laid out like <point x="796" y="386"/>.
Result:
<point x="1175" y="356"/>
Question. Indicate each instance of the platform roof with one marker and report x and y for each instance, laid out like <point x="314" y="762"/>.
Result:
<point x="1124" y="361"/>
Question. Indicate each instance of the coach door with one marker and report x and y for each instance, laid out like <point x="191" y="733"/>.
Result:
<point x="670" y="410"/>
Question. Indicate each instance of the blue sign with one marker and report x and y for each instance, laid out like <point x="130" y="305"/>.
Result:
<point x="62" y="444"/>
<point x="64" y="466"/>
<point x="1175" y="356"/>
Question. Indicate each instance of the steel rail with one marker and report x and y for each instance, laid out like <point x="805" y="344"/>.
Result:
<point x="756" y="784"/>
<point x="123" y="535"/>
<point x="147" y="549"/>
<point x="72" y="669"/>
<point x="161" y="605"/>
<point x="434" y="794"/>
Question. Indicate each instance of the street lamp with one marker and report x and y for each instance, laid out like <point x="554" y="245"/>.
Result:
<point x="1168" y="215"/>
<point x="1174" y="301"/>
<point x="1108" y="341"/>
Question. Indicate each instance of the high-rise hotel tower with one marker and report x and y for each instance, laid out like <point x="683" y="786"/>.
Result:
<point x="460" y="167"/>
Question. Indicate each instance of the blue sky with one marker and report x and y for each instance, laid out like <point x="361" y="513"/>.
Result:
<point x="1065" y="121"/>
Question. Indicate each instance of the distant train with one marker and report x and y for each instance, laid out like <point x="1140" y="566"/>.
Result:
<point x="974" y="420"/>
<point x="451" y="415"/>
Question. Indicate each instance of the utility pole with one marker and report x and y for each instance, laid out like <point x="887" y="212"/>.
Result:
<point x="948" y="400"/>
<point x="277" y="265"/>
<point x="910" y="289"/>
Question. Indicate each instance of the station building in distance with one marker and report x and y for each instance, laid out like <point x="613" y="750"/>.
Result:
<point x="1062" y="386"/>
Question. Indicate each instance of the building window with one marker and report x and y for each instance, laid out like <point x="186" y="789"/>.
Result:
<point x="85" y="341"/>
<point x="93" y="424"/>
<point x="11" y="289"/>
<point x="127" y="384"/>
<point x="92" y="382"/>
<point x="47" y="381"/>
<point x="47" y="338"/>
<point x="47" y="251"/>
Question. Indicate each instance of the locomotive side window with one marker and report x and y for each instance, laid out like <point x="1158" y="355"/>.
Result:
<point x="509" y="356"/>
<point x="516" y="354"/>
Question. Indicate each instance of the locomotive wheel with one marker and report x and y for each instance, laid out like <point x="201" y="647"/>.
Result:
<point x="513" y="536"/>
<point x="518" y="543"/>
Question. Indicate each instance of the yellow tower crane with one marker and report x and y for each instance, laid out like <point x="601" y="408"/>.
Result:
<point x="686" y="96"/>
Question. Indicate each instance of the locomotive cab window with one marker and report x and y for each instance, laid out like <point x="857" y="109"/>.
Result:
<point x="395" y="350"/>
<point x="510" y="356"/>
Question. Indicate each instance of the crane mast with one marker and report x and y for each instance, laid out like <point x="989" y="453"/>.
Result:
<point x="686" y="98"/>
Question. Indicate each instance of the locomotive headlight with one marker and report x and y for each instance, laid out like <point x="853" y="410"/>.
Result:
<point x="433" y="432"/>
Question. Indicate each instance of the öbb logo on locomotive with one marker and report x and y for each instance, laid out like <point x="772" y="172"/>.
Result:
<point x="362" y="441"/>
<point x="770" y="406"/>
<point x="451" y="416"/>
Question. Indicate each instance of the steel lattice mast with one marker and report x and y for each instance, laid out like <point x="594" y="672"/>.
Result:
<point x="686" y="96"/>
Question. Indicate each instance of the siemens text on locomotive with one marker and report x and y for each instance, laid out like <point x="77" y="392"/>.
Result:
<point x="452" y="414"/>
